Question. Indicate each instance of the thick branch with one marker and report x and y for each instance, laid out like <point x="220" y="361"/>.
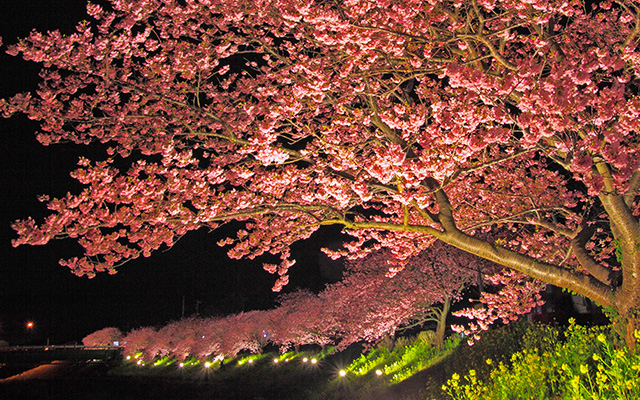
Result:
<point x="626" y="231"/>
<point x="634" y="189"/>
<point x="578" y="243"/>
<point x="444" y="207"/>
<point x="588" y="286"/>
<point x="585" y="285"/>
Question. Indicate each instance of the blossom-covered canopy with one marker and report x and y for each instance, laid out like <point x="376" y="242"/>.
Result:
<point x="506" y="128"/>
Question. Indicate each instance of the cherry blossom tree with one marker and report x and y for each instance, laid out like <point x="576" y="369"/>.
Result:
<point x="103" y="337"/>
<point x="378" y="295"/>
<point x="139" y="340"/>
<point x="178" y="339"/>
<point x="403" y="121"/>
<point x="246" y="331"/>
<point x="302" y="318"/>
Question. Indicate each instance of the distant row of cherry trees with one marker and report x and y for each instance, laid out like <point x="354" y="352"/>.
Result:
<point x="375" y="299"/>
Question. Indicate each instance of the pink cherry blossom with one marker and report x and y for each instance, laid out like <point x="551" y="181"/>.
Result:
<point x="403" y="121"/>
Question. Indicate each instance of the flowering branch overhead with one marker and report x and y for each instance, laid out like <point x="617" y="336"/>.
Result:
<point x="402" y="121"/>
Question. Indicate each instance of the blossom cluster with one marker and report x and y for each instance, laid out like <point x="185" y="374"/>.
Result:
<point x="404" y="121"/>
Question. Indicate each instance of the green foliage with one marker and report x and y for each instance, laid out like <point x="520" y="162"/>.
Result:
<point x="416" y="357"/>
<point x="250" y="359"/>
<point x="580" y="364"/>
<point x="369" y="361"/>
<point x="618" y="250"/>
<point x="326" y="351"/>
<point x="163" y="361"/>
<point x="409" y="355"/>
<point x="617" y="374"/>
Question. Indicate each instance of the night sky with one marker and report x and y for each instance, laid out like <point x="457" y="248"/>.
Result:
<point x="146" y="292"/>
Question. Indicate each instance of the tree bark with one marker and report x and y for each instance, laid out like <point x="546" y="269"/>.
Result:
<point x="442" y="323"/>
<point x="633" y="325"/>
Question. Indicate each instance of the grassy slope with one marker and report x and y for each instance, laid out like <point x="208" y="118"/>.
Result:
<point x="497" y="345"/>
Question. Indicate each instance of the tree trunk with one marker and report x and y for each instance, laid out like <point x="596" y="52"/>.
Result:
<point x="388" y="342"/>
<point x="625" y="324"/>
<point x="442" y="323"/>
<point x="632" y="325"/>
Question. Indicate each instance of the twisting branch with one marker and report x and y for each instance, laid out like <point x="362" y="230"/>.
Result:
<point x="587" y="262"/>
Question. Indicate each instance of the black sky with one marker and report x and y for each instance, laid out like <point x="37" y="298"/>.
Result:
<point x="150" y="291"/>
